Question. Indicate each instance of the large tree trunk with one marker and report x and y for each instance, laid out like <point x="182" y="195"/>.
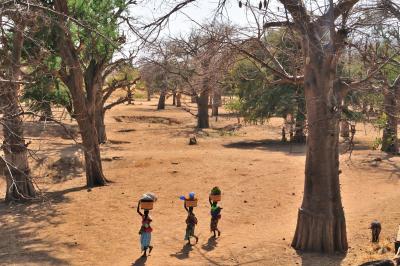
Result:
<point x="202" y="110"/>
<point x="161" y="101"/>
<point x="93" y="165"/>
<point x="202" y="101"/>
<point x="389" y="139"/>
<point x="17" y="172"/>
<point x="100" y="126"/>
<point x="321" y="223"/>
<point x="86" y="118"/>
<point x="83" y="88"/>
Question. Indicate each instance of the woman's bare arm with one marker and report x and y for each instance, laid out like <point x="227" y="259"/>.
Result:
<point x="138" y="209"/>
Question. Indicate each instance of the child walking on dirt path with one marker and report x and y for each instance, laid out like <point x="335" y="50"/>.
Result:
<point x="191" y="222"/>
<point x="215" y="217"/>
<point x="145" y="231"/>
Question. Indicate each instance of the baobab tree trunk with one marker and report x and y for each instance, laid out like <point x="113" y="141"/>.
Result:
<point x="161" y="101"/>
<point x="202" y="101"/>
<point x="17" y="172"/>
<point x="178" y="99"/>
<point x="321" y="223"/>
<point x="202" y="113"/>
<point x="389" y="139"/>
<point x="345" y="129"/>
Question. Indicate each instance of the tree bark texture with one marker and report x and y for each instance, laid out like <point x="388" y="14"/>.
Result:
<point x="19" y="185"/>
<point x="202" y="110"/>
<point x="100" y="126"/>
<point x="83" y="87"/>
<point x="202" y="100"/>
<point x="321" y="225"/>
<point x="161" y="100"/>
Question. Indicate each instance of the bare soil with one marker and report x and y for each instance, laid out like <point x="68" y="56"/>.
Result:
<point x="261" y="179"/>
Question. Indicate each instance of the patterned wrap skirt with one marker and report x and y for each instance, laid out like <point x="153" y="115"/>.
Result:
<point x="145" y="239"/>
<point x="189" y="231"/>
<point x="214" y="223"/>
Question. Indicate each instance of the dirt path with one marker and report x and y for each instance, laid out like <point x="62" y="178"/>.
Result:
<point x="262" y="182"/>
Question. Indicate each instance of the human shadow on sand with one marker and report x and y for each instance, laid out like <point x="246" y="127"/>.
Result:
<point x="184" y="252"/>
<point x="315" y="259"/>
<point x="210" y="245"/>
<point x="140" y="261"/>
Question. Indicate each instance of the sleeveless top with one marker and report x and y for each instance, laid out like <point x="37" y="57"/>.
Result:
<point x="146" y="224"/>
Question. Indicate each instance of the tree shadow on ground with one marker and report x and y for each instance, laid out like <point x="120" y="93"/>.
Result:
<point x="344" y="146"/>
<point x="315" y="259"/>
<point x="388" y="164"/>
<point x="58" y="162"/>
<point x="19" y="242"/>
<point x="147" y="119"/>
<point x="269" y="145"/>
<point x="141" y="261"/>
<point x="378" y="161"/>
<point x="211" y="244"/>
<point x="20" y="224"/>
<point x="50" y="129"/>
<point x="184" y="252"/>
<point x="221" y="261"/>
<point x="56" y="197"/>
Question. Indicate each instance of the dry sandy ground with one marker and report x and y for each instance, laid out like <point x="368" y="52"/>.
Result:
<point x="262" y="182"/>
